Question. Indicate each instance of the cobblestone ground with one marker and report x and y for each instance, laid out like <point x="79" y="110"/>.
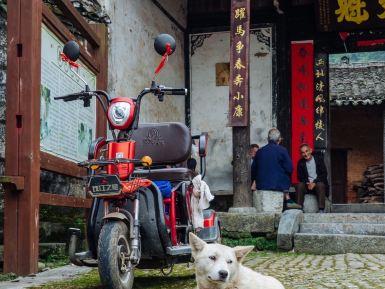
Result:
<point x="316" y="272"/>
<point x="295" y="271"/>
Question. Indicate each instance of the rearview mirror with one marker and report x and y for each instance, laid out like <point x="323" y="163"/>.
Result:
<point x="164" y="43"/>
<point x="72" y="50"/>
<point x="203" y="140"/>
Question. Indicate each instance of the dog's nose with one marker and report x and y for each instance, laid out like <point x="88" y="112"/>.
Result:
<point x="223" y="274"/>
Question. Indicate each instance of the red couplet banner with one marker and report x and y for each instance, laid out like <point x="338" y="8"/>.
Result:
<point x="302" y="99"/>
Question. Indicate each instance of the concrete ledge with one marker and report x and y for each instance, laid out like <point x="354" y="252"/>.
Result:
<point x="310" y="204"/>
<point x="268" y="201"/>
<point x="58" y="274"/>
<point x="343" y="228"/>
<point x="358" y="208"/>
<point x="288" y="226"/>
<point x="243" y="210"/>
<point x="248" y="223"/>
<point x="345" y="218"/>
<point x="329" y="244"/>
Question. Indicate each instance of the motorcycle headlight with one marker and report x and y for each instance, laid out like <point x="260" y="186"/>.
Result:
<point x="121" y="113"/>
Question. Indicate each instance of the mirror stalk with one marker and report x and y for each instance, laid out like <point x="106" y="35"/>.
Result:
<point x="82" y="79"/>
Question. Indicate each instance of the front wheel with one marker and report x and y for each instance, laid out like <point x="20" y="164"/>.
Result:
<point x="115" y="268"/>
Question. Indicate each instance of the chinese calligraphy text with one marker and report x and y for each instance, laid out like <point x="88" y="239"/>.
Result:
<point x="302" y="128"/>
<point x="321" y="100"/>
<point x="345" y="15"/>
<point x="239" y="64"/>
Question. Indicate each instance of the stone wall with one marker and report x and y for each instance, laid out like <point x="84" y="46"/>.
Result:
<point x="209" y="54"/>
<point x="132" y="58"/>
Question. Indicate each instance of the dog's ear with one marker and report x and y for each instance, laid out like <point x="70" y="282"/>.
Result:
<point x="196" y="243"/>
<point x="242" y="251"/>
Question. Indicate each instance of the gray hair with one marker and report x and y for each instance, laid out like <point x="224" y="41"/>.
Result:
<point x="274" y="135"/>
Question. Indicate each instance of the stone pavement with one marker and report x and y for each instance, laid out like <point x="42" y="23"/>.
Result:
<point x="295" y="271"/>
<point x="57" y="274"/>
<point x="302" y="271"/>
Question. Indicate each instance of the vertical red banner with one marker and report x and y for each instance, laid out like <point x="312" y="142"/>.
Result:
<point x="302" y="98"/>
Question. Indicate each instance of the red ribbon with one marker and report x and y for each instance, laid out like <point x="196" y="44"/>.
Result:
<point x="344" y="35"/>
<point x="69" y="61"/>
<point x="164" y="58"/>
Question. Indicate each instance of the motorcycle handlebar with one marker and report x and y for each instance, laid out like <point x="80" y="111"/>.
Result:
<point x="73" y="96"/>
<point x="174" y="91"/>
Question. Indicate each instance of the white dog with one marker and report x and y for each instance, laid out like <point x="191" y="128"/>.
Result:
<point x="219" y="267"/>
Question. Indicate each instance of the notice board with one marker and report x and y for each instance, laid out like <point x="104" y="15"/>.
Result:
<point x="66" y="128"/>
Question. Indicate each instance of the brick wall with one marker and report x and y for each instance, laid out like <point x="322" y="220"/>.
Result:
<point x="359" y="129"/>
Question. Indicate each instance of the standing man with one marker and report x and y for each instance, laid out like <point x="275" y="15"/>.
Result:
<point x="312" y="177"/>
<point x="272" y="168"/>
<point x="252" y="152"/>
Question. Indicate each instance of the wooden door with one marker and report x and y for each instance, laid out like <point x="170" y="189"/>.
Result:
<point x="339" y="159"/>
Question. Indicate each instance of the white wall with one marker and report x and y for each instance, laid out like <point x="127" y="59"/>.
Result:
<point x="209" y="103"/>
<point x="132" y="58"/>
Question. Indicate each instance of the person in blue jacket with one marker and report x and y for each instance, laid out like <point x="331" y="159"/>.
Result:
<point x="272" y="168"/>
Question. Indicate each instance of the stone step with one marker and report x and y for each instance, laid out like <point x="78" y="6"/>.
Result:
<point x="358" y="208"/>
<point x="345" y="218"/>
<point x="330" y="244"/>
<point x="343" y="228"/>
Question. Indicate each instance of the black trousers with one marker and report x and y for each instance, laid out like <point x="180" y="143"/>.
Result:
<point x="319" y="190"/>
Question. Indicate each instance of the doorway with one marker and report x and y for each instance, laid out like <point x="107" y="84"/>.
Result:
<point x="339" y="164"/>
<point x="357" y="127"/>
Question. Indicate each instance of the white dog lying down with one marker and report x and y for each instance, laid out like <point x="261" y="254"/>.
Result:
<point x="219" y="267"/>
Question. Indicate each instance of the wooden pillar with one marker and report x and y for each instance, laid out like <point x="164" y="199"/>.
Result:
<point x="21" y="212"/>
<point x="102" y="77"/>
<point x="239" y="110"/>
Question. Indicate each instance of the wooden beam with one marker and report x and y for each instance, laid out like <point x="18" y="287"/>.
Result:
<point x="78" y="21"/>
<point x="55" y="25"/>
<point x="16" y="181"/>
<point x="239" y="109"/>
<point x="29" y="150"/>
<point x="12" y="136"/>
<point x="102" y="77"/>
<point x="21" y="220"/>
<point x="64" y="201"/>
<point x="58" y="165"/>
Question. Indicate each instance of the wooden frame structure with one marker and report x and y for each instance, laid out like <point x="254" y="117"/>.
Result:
<point x="23" y="157"/>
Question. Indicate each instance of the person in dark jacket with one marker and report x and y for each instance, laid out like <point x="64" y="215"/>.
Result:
<point x="312" y="176"/>
<point x="253" y="148"/>
<point x="272" y="167"/>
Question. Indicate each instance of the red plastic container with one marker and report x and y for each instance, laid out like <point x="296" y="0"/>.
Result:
<point x="121" y="150"/>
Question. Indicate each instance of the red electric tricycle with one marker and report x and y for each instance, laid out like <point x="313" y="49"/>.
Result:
<point x="130" y="223"/>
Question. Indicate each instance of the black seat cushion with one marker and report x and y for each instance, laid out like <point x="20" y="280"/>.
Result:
<point x="166" y="143"/>
<point x="167" y="174"/>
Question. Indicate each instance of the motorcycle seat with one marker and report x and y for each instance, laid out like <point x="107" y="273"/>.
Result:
<point x="167" y="143"/>
<point x="167" y="174"/>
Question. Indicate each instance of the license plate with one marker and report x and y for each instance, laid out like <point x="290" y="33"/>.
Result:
<point x="104" y="186"/>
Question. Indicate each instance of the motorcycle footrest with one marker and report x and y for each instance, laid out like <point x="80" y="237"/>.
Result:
<point x="178" y="250"/>
<point x="84" y="259"/>
<point x="86" y="255"/>
<point x="74" y="231"/>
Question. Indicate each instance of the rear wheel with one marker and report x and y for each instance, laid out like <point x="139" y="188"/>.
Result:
<point x="115" y="268"/>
